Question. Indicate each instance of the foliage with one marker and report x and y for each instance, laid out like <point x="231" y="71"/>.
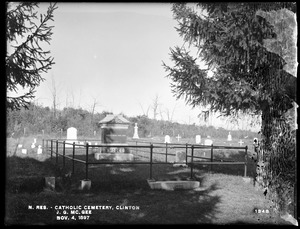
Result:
<point x="38" y="120"/>
<point x="236" y="42"/>
<point x="26" y="60"/>
<point x="230" y="41"/>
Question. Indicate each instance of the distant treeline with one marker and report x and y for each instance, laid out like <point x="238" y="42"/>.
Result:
<point x="44" y="121"/>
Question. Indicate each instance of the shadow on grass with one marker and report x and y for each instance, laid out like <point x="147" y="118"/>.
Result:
<point x="116" y="185"/>
<point x="237" y="170"/>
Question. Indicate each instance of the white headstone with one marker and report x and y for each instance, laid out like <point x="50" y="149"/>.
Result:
<point x="34" y="140"/>
<point x="71" y="136"/>
<point x="71" y="133"/>
<point x="24" y="151"/>
<point x="208" y="141"/>
<point x="20" y="146"/>
<point x="198" y="139"/>
<point x="32" y="145"/>
<point x="178" y="137"/>
<point x="229" y="138"/>
<point x="40" y="150"/>
<point x="135" y="135"/>
<point x="167" y="139"/>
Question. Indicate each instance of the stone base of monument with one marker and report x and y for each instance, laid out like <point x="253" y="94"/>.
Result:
<point x="85" y="184"/>
<point x="50" y="183"/>
<point x="114" y="156"/>
<point x="180" y="165"/>
<point x="247" y="179"/>
<point x="172" y="185"/>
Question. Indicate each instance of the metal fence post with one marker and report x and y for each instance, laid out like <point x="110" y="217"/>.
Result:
<point x="136" y="148"/>
<point x="87" y="161"/>
<point x="51" y="148"/>
<point x="56" y="151"/>
<point x="151" y="152"/>
<point x="64" y="152"/>
<point x="166" y="152"/>
<point x="211" y="157"/>
<point x="186" y="153"/>
<point x="73" y="158"/>
<point x="192" y="161"/>
<point x="246" y="161"/>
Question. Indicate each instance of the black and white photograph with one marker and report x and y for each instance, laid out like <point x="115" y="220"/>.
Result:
<point x="151" y="113"/>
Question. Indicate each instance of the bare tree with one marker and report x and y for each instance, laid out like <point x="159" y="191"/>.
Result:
<point x="93" y="106"/>
<point x="55" y="101"/>
<point x="155" y="106"/>
<point x="145" y="113"/>
<point x="170" y="115"/>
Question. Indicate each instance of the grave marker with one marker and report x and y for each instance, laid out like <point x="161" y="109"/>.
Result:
<point x="229" y="138"/>
<point x="198" y="139"/>
<point x="167" y="139"/>
<point x="135" y="135"/>
<point x="208" y="141"/>
<point x="241" y="142"/>
<point x="71" y="136"/>
<point x="178" y="137"/>
<point x="39" y="151"/>
<point x="114" y="132"/>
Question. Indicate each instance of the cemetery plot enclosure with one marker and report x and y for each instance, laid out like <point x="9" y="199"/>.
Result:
<point x="147" y="153"/>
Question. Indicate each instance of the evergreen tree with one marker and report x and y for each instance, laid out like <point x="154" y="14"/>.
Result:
<point x="25" y="59"/>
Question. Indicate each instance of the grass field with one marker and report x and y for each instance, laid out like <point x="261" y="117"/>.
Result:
<point x="223" y="197"/>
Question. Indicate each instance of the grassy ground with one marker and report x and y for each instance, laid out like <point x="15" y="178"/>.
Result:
<point x="221" y="199"/>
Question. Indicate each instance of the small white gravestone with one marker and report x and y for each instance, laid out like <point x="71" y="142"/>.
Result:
<point x="32" y="145"/>
<point x="135" y="135"/>
<point x="24" y="151"/>
<point x="180" y="159"/>
<point x="71" y="136"/>
<point x="167" y="139"/>
<point x="229" y="138"/>
<point x="198" y="139"/>
<point x="241" y="142"/>
<point x="39" y="150"/>
<point x="20" y="146"/>
<point x="178" y="137"/>
<point x="34" y="140"/>
<point x="208" y="141"/>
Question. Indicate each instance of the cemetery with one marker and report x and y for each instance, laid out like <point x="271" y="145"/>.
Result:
<point x="113" y="148"/>
<point x="166" y="167"/>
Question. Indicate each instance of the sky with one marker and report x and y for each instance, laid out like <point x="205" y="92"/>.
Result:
<point x="111" y="54"/>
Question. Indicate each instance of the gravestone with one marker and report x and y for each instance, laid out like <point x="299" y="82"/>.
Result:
<point x="135" y="135"/>
<point x="24" y="151"/>
<point x="71" y="136"/>
<point x="114" y="132"/>
<point x="241" y="142"/>
<point x="198" y="139"/>
<point x="32" y="145"/>
<point x="229" y="138"/>
<point x="178" y="137"/>
<point x="180" y="159"/>
<point x="39" y="150"/>
<point x="208" y="141"/>
<point x="167" y="139"/>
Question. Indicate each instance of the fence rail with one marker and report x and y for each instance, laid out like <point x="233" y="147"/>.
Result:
<point x="189" y="152"/>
